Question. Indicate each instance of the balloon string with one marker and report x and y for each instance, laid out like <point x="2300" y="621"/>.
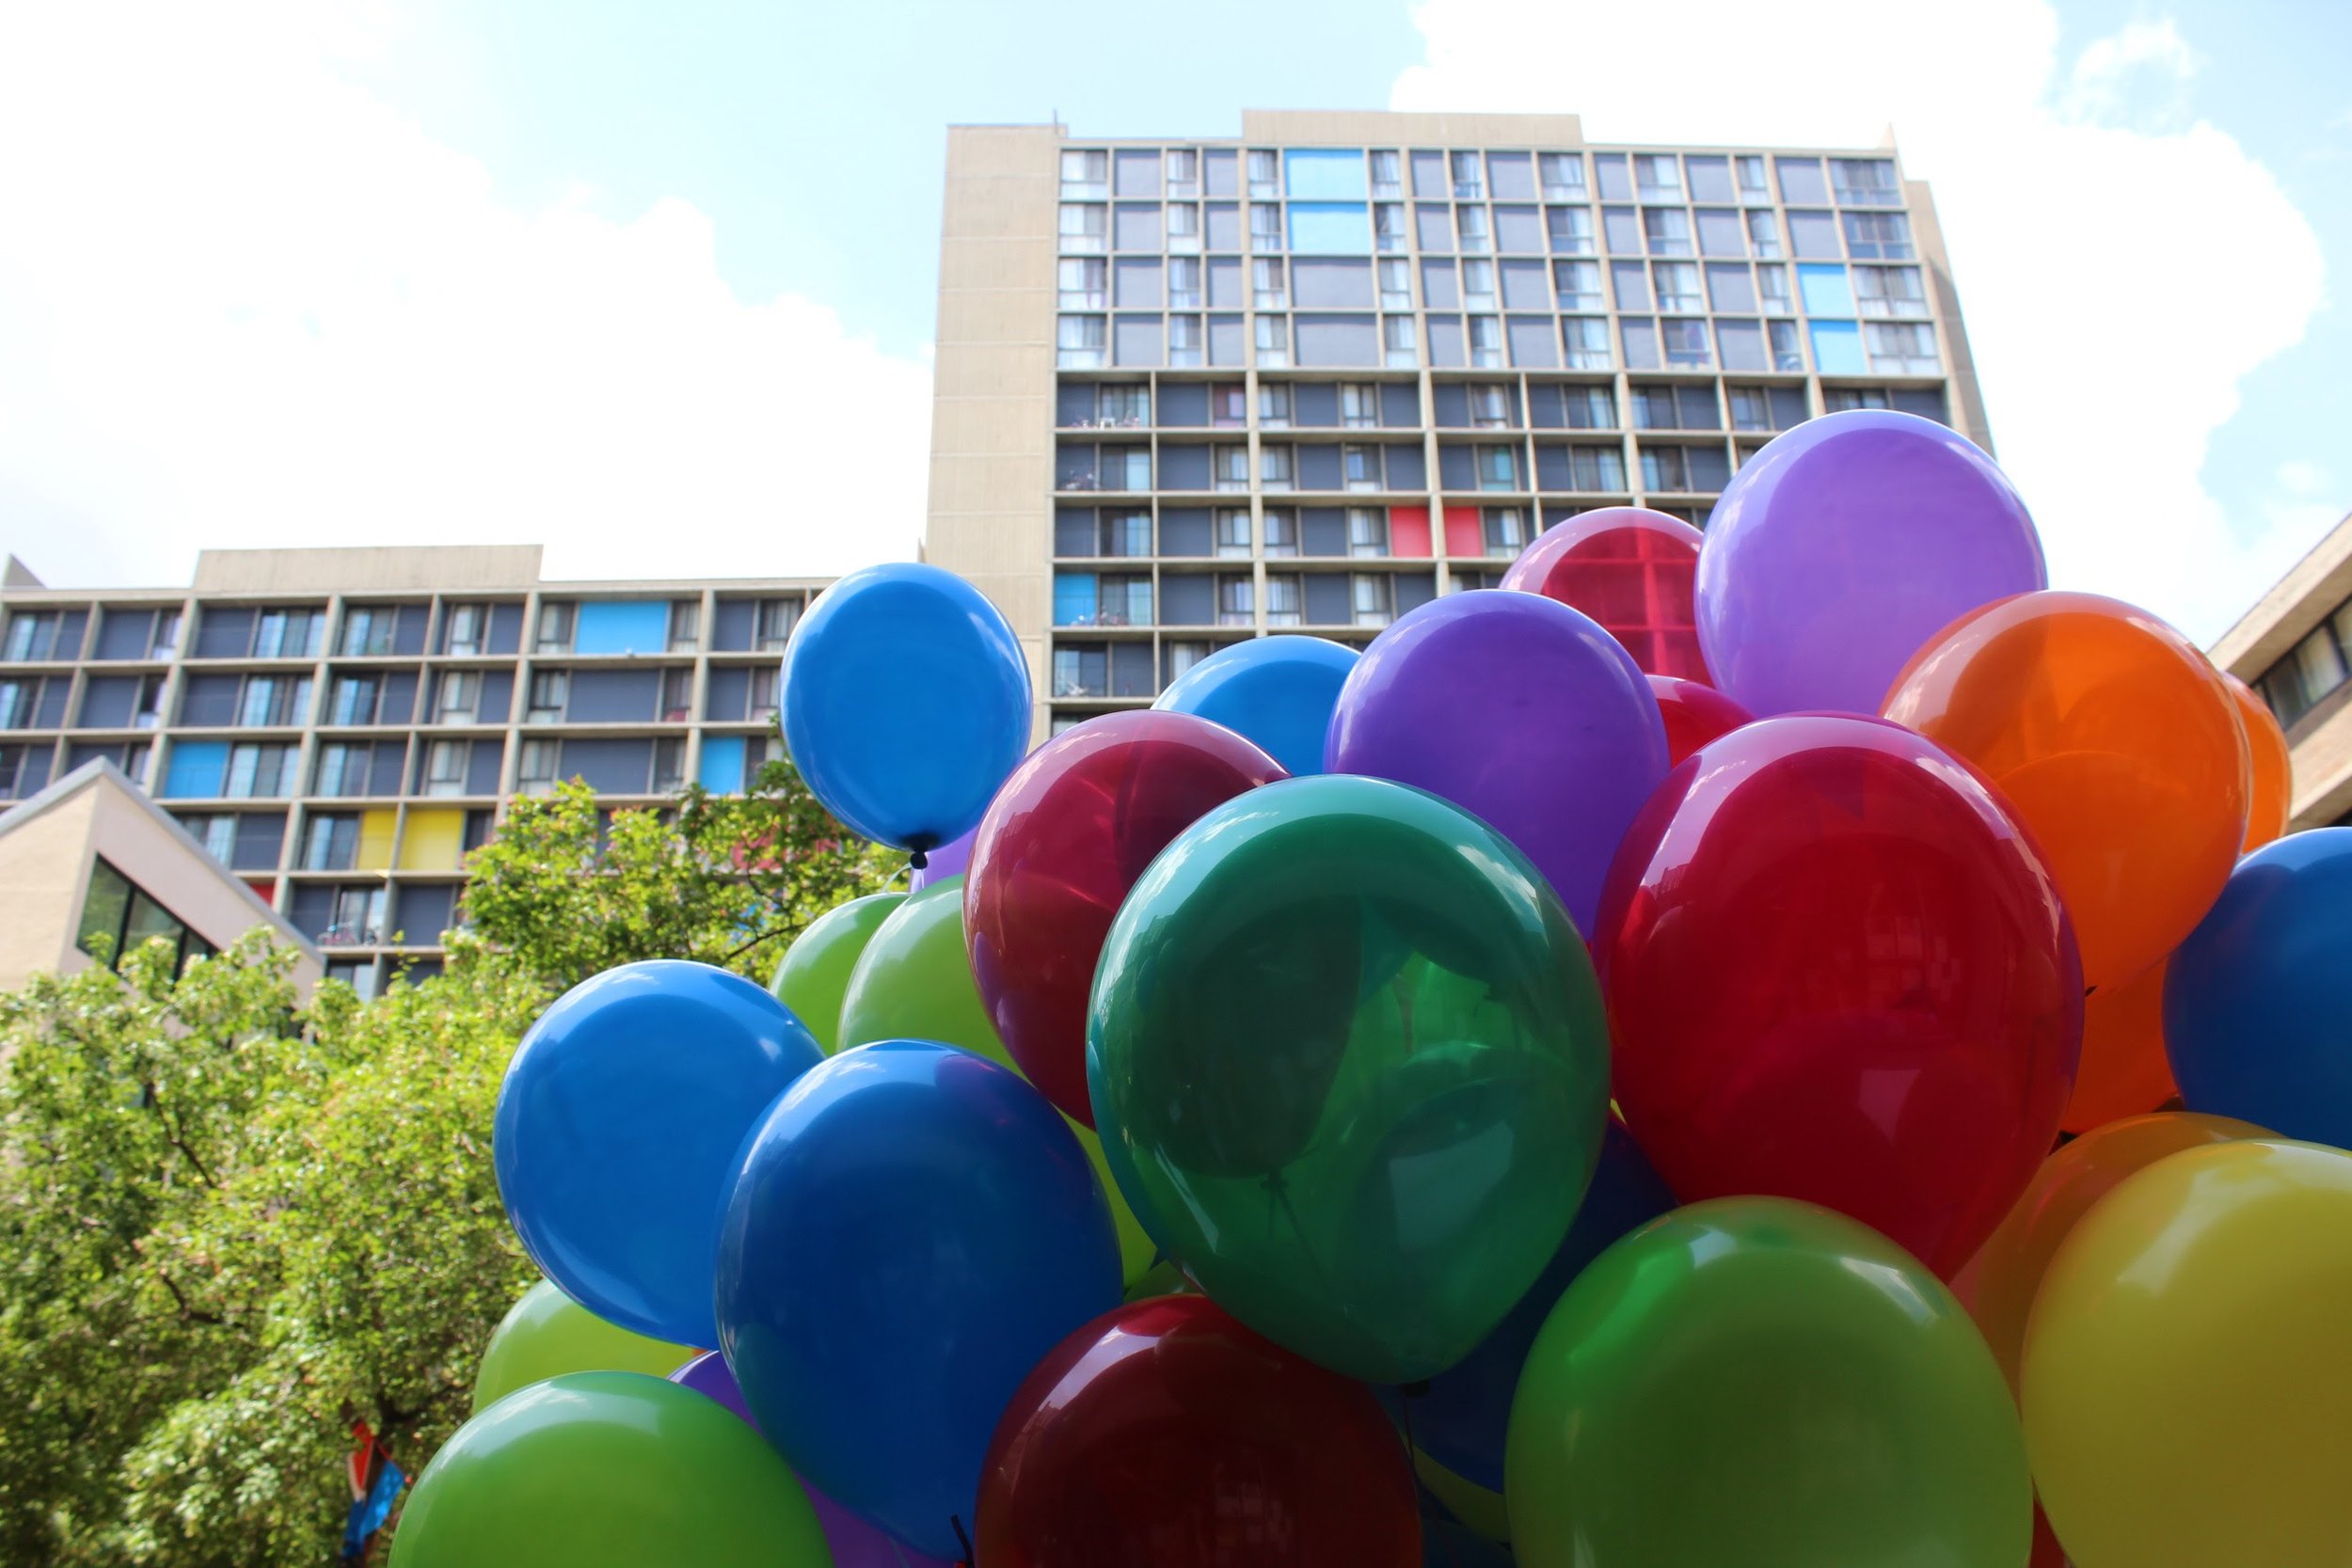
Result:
<point x="1279" y="1190"/>
<point x="955" y="1522"/>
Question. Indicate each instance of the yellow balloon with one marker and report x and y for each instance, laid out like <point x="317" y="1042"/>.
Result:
<point x="1478" y="1507"/>
<point x="2188" y="1368"/>
<point x="2010" y="1266"/>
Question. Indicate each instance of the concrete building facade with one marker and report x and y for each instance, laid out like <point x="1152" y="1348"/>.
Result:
<point x="2295" y="648"/>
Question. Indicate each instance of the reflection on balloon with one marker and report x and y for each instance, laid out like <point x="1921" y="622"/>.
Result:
<point x="1276" y="692"/>
<point x="1631" y="570"/>
<point x="1694" y="715"/>
<point x="2272" y="797"/>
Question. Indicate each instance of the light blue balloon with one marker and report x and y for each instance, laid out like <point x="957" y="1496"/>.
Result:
<point x="1276" y="691"/>
<point x="616" y="1128"/>
<point x="911" y="1229"/>
<point x="2258" y="999"/>
<point x="906" y="702"/>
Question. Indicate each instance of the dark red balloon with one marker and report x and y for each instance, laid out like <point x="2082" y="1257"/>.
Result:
<point x="1837" y="971"/>
<point x="1067" y="835"/>
<point x="1164" y="1433"/>
<point x="1694" y="714"/>
<point x="1630" y="569"/>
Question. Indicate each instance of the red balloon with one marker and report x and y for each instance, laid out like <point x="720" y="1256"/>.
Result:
<point x="1066" y="837"/>
<point x="1166" y="1433"/>
<point x="1694" y="714"/>
<point x="1837" y="971"/>
<point x="1630" y="569"/>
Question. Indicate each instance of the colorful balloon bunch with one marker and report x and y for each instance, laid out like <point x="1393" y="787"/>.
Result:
<point x="1583" y="1083"/>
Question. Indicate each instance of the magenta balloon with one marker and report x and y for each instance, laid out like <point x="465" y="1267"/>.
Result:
<point x="1842" y="547"/>
<point x="951" y="859"/>
<point x="854" y="1542"/>
<point x="1519" y="710"/>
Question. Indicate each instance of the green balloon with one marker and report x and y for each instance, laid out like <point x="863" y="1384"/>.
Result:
<point x="608" y="1470"/>
<point x="1348" y="1050"/>
<point x="815" y="973"/>
<point x="913" y="982"/>
<point x="547" y="1333"/>
<point x="1758" y="1381"/>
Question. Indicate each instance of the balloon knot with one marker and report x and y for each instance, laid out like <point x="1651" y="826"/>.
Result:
<point x="1414" y="1390"/>
<point x="919" y="860"/>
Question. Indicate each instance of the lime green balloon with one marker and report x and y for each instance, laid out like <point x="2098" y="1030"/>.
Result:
<point x="547" y="1333"/>
<point x="913" y="982"/>
<point x="1348" y="1050"/>
<point x="1758" y="1381"/>
<point x="608" y="1470"/>
<point x="815" y="973"/>
<point x="1476" y="1506"/>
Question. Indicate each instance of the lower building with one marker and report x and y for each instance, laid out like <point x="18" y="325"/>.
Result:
<point x="2295" y="648"/>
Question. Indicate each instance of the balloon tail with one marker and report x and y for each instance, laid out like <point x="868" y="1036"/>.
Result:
<point x="955" y="1522"/>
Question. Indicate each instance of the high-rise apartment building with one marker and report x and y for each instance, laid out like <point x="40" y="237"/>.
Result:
<point x="1194" y="390"/>
<point x="340" y="726"/>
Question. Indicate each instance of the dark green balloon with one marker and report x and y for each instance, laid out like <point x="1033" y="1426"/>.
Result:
<point x="1760" y="1382"/>
<point x="608" y="1470"/>
<point x="1348" y="1055"/>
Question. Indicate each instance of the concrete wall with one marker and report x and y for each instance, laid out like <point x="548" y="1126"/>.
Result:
<point x="44" y="868"/>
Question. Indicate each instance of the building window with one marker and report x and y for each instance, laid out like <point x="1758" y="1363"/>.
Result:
<point x="1764" y="235"/>
<point x="1183" y="226"/>
<point x="549" y="690"/>
<point x="1773" y="409"/>
<point x="1371" y="598"/>
<point x="331" y="842"/>
<point x="258" y="770"/>
<point x="1490" y="405"/>
<point x="1126" y="533"/>
<point x="1668" y="406"/>
<point x="1269" y="287"/>
<point x="462" y="629"/>
<point x="445" y="768"/>
<point x="1485" y="343"/>
<point x="772" y="626"/>
<point x="288" y="634"/>
<point x="1388" y="226"/>
<point x="539" y="762"/>
<point x="118" y="916"/>
<point x="1232" y="533"/>
<point x="1505" y="529"/>
<point x="1677" y="287"/>
<point x="1878" y="236"/>
<point x="1563" y="175"/>
<point x="1183" y="342"/>
<point x="669" y="766"/>
<point x="1596" y="468"/>
<point x="1274" y="342"/>
<point x="1085" y="174"/>
<point x="1571" y="231"/>
<point x="1230" y="466"/>
<point x="1478" y="286"/>
<point x="1657" y="176"/>
<point x="1901" y="348"/>
<point x="1771" y="286"/>
<point x="1274" y="405"/>
<point x="1666" y="230"/>
<point x="32" y="635"/>
<point x="217" y="832"/>
<point x="368" y="630"/>
<point x="1265" y="226"/>
<point x="1585" y="339"/>
<point x="1183" y="172"/>
<point x="1274" y="470"/>
<point x="1361" y="465"/>
<point x="1577" y="285"/>
<point x="1787" y="355"/>
<point x="359" y="918"/>
<point x="19" y="701"/>
<point x="1237" y="601"/>
<point x="1388" y="175"/>
<point x="1083" y="284"/>
<point x="1281" y="531"/>
<point x="1078" y="341"/>
<point x="459" y="698"/>
<point x="1497" y="468"/>
<point x="1686" y="345"/>
<point x="677" y="695"/>
<point x="1184" y="283"/>
<point x="1282" y="600"/>
<point x="1890" y="292"/>
<point x="1864" y="181"/>
<point x="2313" y="670"/>
<point x="1228" y="405"/>
<point x="274" y="700"/>
<point x="1265" y="173"/>
<point x="1398" y="349"/>
<point x="342" y="769"/>
<point x="1367" y="532"/>
<point x="1084" y="226"/>
<point x="1470" y="231"/>
<point x="1360" y="406"/>
<point x="1396" y="285"/>
<point x="555" y="626"/>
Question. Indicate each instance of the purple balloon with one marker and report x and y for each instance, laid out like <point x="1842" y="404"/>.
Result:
<point x="854" y="1542"/>
<point x="1519" y="710"/>
<point x="951" y="859"/>
<point x="1842" y="547"/>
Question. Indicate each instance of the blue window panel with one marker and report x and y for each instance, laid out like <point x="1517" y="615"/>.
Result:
<point x="1824" y="288"/>
<point x="623" y="627"/>
<point x="722" y="770"/>
<point x="1324" y="174"/>
<point x="1837" y="348"/>
<point x="1074" y="598"/>
<point x="1330" y="227"/>
<point x="197" y="768"/>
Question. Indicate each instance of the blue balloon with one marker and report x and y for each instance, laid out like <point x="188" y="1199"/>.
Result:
<point x="1460" y="1419"/>
<point x="617" y="1125"/>
<point x="906" y="702"/>
<point x="911" y="1229"/>
<point x="2258" y="999"/>
<point x="1276" y="692"/>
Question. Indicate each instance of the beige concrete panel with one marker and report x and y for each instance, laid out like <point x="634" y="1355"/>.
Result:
<point x="1369" y="127"/>
<point x="2310" y="591"/>
<point x="1005" y="425"/>
<point x="1019" y="370"/>
<point x="2322" y="756"/>
<point x="993" y="481"/>
<point x="361" y="568"/>
<point x="994" y="316"/>
<point x="44" y="866"/>
<point x="1008" y="264"/>
<point x="986" y="150"/>
<point x="175" y="873"/>
<point x="1968" y="398"/>
<point x="1020" y="207"/>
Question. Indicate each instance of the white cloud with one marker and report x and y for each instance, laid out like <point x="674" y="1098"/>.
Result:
<point x="243" y="302"/>
<point x="2108" y="344"/>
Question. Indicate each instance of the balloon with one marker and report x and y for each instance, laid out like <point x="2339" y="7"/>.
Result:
<point x="1274" y="691"/>
<point x="1519" y="710"/>
<point x="1445" y="1545"/>
<point x="547" y="1334"/>
<point x="1765" y="1383"/>
<point x="815" y="973"/>
<point x="1062" y="843"/>
<point x="1166" y="1433"/>
<point x="2258" y="1001"/>
<point x="1480" y="1508"/>
<point x="620" y="1111"/>
<point x="607" y="1470"/>
<point x="913" y="982"/>
<point x="2124" y="1070"/>
<point x="854" y="1544"/>
<point x="1843" y="546"/>
<point x="1838" y="972"/>
<point x="1694" y="715"/>
<point x="1460" y="1418"/>
<point x="951" y="859"/>
<point x="2273" y="779"/>
<point x="1631" y="570"/>
<point x="2115" y="745"/>
<point x="910" y="1230"/>
<point x="906" y="702"/>
<point x="1351" y="1055"/>
<point x="2187" y="1370"/>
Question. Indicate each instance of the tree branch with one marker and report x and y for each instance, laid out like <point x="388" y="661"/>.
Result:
<point x="171" y="1136"/>
<point x="187" y="1313"/>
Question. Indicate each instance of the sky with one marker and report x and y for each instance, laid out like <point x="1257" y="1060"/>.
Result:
<point x="654" y="285"/>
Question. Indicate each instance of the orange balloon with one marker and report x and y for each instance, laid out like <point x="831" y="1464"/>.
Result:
<point x="2274" y="768"/>
<point x="2124" y="1072"/>
<point x="2010" y="1266"/>
<point x="2117" y="748"/>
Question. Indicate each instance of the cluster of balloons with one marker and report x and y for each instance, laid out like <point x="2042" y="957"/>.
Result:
<point x="1586" y="1081"/>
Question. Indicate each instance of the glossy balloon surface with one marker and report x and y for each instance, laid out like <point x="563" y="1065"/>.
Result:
<point x="1349" y="1052"/>
<point x="1276" y="692"/>
<point x="2273" y="794"/>
<point x="1167" y="1434"/>
<point x="2124" y="1070"/>
<point x="1522" y="712"/>
<point x="1065" y="839"/>
<point x="616" y="1121"/>
<point x="1838" y="972"/>
<point x="909" y="1231"/>
<point x="1765" y="1383"/>
<point x="813" y="974"/>
<point x="1630" y="569"/>
<point x="547" y="1334"/>
<point x="2186" y="1367"/>
<point x="1694" y="715"/>
<point x="2114" y="743"/>
<point x="906" y="702"/>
